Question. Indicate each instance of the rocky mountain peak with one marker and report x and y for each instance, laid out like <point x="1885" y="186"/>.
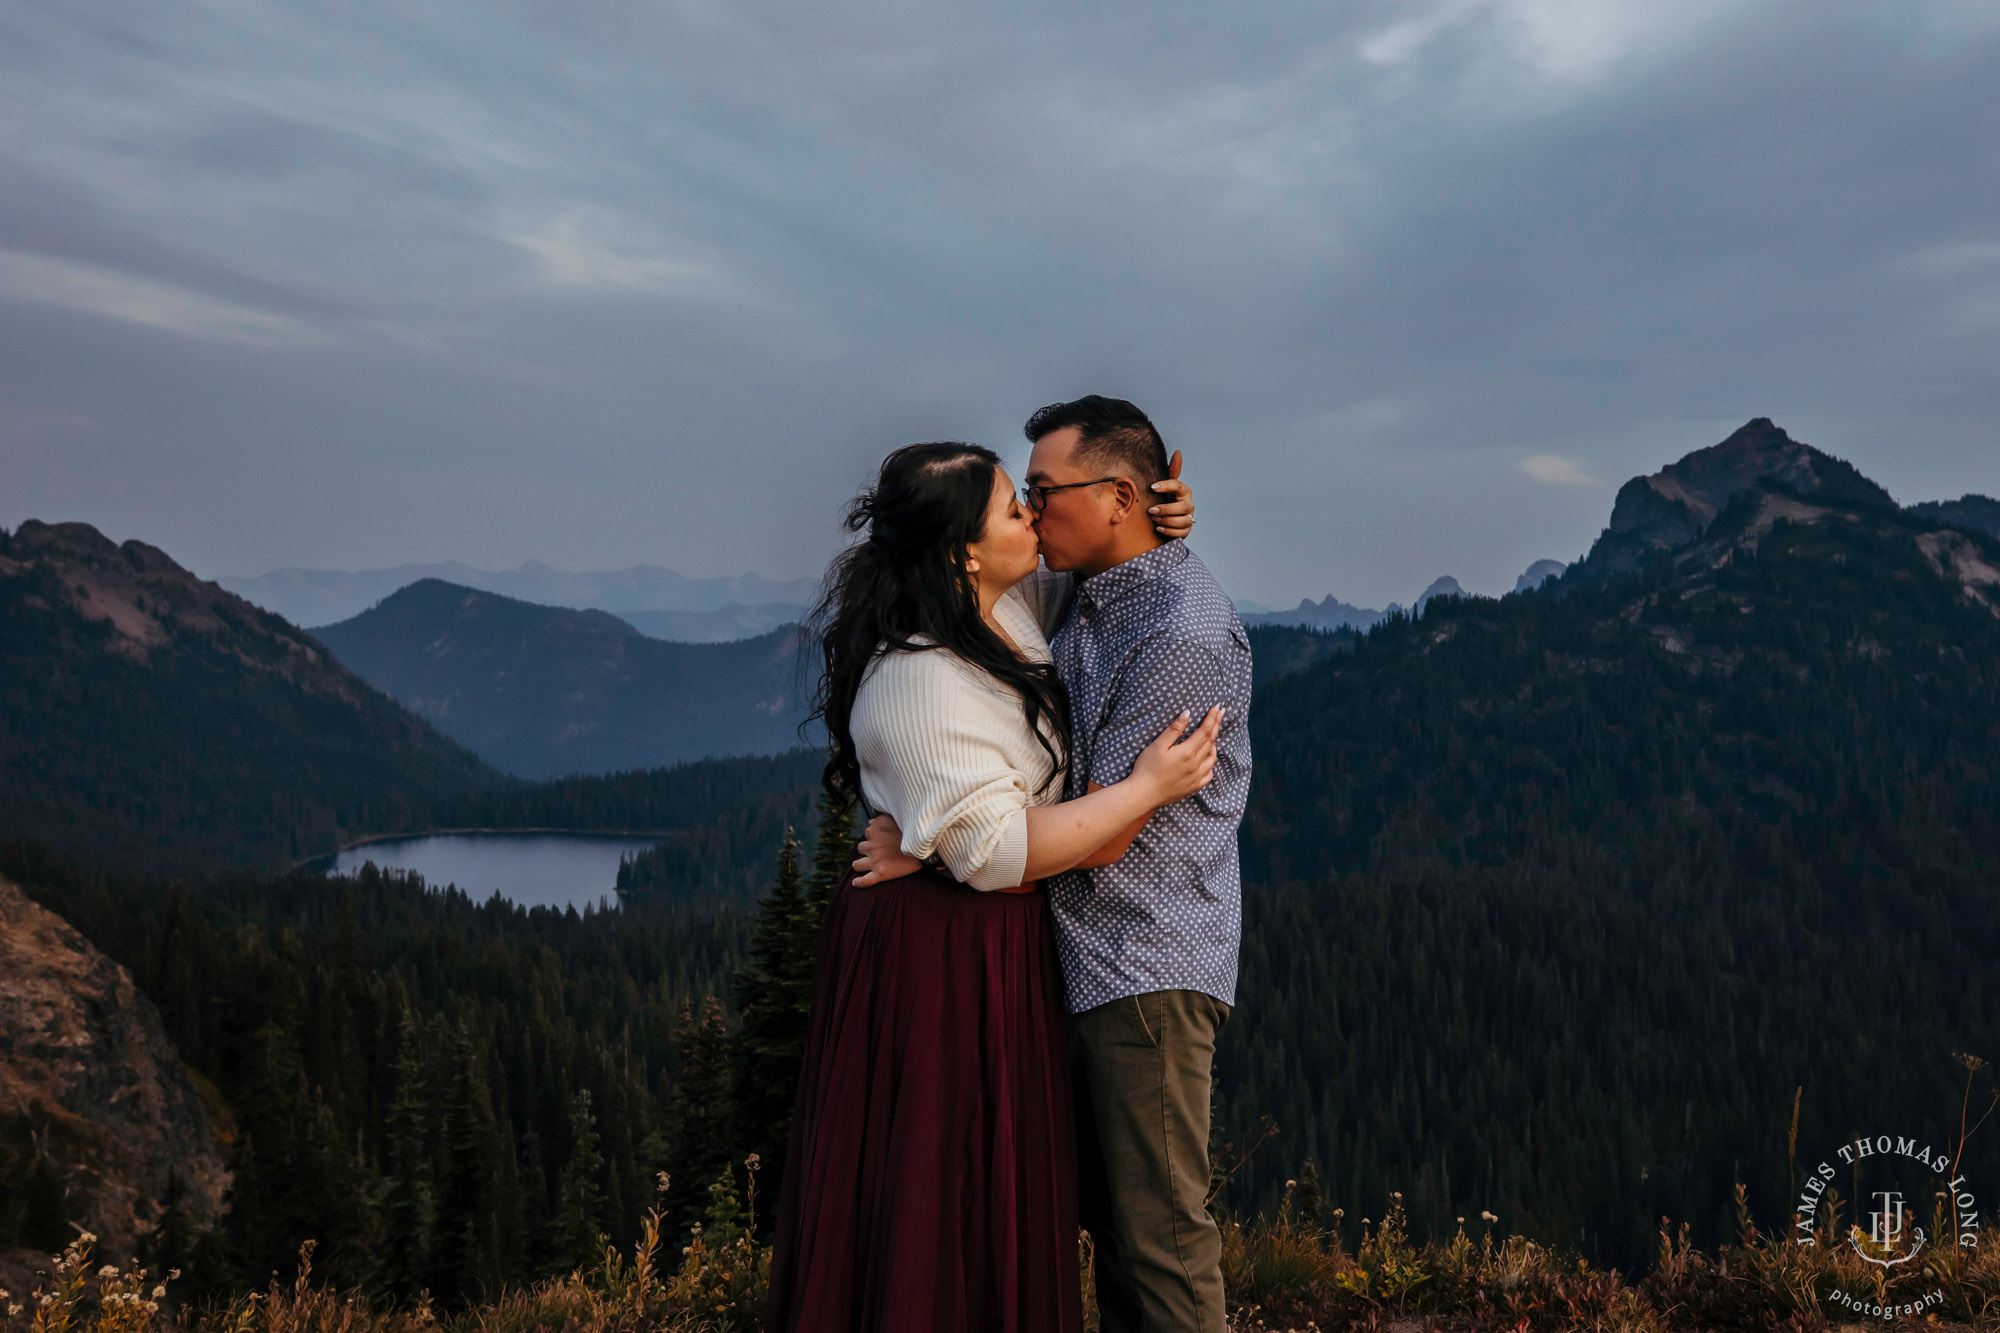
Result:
<point x="1656" y="514"/>
<point x="149" y="602"/>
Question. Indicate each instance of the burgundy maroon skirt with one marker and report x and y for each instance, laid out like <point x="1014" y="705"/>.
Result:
<point x="930" y="1182"/>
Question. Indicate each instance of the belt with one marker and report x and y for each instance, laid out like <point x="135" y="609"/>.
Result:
<point x="1032" y="886"/>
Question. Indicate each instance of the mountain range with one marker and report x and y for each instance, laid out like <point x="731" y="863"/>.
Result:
<point x="1553" y="903"/>
<point x="657" y="601"/>
<point x="543" y="691"/>
<point x="1330" y="613"/>
<point x="150" y="717"/>
<point x="1592" y="884"/>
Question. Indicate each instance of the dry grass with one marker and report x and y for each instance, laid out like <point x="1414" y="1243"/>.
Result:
<point x="715" y="1288"/>
<point x="1283" y="1275"/>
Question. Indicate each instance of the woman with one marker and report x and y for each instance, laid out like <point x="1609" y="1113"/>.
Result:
<point x="930" y="1179"/>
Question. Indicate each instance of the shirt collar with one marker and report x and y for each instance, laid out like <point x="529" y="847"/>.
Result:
<point x="1101" y="590"/>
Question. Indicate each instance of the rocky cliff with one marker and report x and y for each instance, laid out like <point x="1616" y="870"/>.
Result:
<point x="1657" y="514"/>
<point x="95" y="1092"/>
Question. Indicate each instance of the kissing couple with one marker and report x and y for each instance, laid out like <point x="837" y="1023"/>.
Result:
<point x="1056" y="761"/>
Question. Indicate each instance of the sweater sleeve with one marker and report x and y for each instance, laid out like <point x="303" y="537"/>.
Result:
<point x="926" y="731"/>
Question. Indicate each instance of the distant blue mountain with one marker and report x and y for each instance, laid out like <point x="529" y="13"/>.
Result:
<point x="545" y="691"/>
<point x="1539" y="573"/>
<point x="323" y="596"/>
<point x="1328" y="613"/>
<point x="1443" y="587"/>
<point x="722" y="625"/>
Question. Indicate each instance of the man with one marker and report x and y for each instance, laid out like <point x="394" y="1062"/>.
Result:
<point x="1148" y="941"/>
<point x="1148" y="928"/>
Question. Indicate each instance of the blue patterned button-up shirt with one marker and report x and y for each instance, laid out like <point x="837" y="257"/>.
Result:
<point x="1144" y="640"/>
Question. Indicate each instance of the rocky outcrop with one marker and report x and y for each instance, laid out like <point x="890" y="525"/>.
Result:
<point x="1658" y="514"/>
<point x="86" y="1066"/>
<point x="1958" y="557"/>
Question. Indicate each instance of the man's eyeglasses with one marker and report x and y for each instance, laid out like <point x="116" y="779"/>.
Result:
<point x="1038" y="496"/>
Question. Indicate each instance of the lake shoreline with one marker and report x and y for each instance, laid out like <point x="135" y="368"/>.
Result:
<point x="307" y="862"/>
<point x="528" y="867"/>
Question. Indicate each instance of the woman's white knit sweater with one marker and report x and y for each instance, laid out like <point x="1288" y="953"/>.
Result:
<point x="946" y="751"/>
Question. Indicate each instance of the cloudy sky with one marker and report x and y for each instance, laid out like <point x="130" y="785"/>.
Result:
<point x="1414" y="285"/>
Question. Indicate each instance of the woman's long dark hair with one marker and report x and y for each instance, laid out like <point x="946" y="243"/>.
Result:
<point x="908" y="578"/>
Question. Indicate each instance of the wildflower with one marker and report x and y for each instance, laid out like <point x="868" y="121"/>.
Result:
<point x="161" y="1290"/>
<point x="1291" y="1184"/>
<point x="173" y="1275"/>
<point x="754" y="1161"/>
<point x="663" y="1179"/>
<point x="109" y="1270"/>
<point x="1485" y="1216"/>
<point x="1397" y="1195"/>
<point x="1461" y="1221"/>
<point x="86" y="1238"/>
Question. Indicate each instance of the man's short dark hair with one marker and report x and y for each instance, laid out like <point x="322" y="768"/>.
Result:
<point x="1112" y="433"/>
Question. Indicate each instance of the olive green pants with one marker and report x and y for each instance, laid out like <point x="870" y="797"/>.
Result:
<point x="1143" y="1071"/>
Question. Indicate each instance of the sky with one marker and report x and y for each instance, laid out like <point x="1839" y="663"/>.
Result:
<point x="1414" y="286"/>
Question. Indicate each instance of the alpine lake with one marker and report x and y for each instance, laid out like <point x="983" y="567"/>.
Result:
<point x="556" y="870"/>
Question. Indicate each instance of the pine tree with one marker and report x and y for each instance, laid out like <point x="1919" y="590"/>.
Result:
<point x="409" y="1206"/>
<point x="276" y="1109"/>
<point x="727" y="1215"/>
<point x="1305" y="1199"/>
<point x="833" y="856"/>
<point x="179" y="1002"/>
<point x="771" y="996"/>
<point x="464" y="1261"/>
<point x="343" y="1190"/>
<point x="704" y="1107"/>
<point x="833" y="853"/>
<point x="579" y="1236"/>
